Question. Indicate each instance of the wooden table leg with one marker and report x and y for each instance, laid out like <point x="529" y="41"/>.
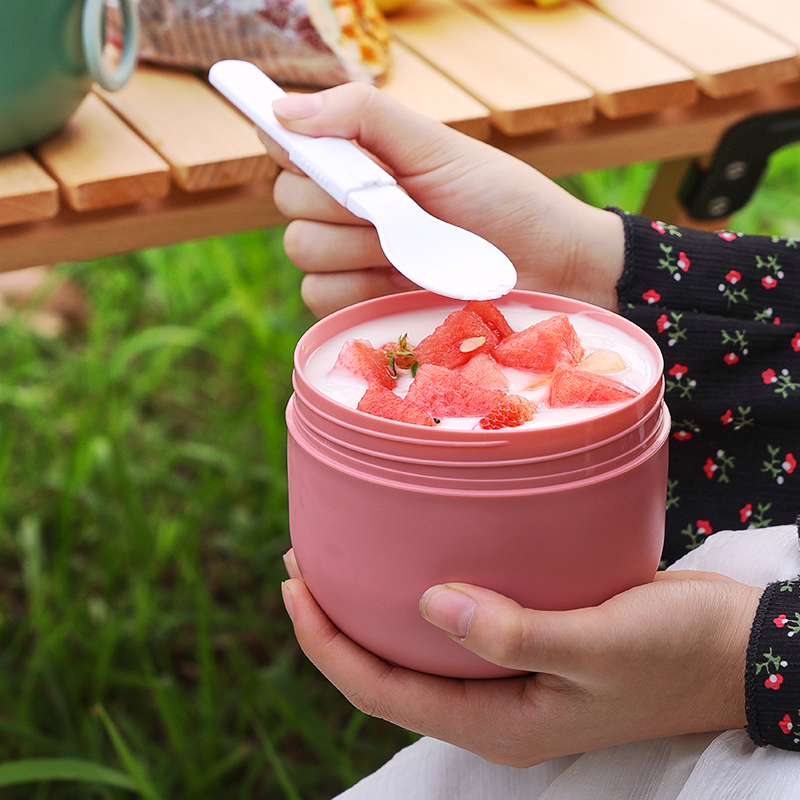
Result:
<point x="662" y="202"/>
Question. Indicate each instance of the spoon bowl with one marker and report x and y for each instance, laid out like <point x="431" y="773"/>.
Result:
<point x="434" y="254"/>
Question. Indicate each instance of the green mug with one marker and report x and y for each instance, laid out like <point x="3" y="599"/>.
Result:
<point x="50" y="53"/>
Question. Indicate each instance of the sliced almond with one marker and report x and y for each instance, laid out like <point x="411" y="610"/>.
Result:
<point x="538" y="382"/>
<point x="473" y="343"/>
<point x="602" y="361"/>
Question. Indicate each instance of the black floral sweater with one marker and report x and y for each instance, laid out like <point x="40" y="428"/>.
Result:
<point x="724" y="309"/>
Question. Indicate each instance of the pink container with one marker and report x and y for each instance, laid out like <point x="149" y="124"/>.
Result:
<point x="555" y="518"/>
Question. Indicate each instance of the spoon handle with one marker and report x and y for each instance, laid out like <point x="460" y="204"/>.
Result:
<point x="336" y="165"/>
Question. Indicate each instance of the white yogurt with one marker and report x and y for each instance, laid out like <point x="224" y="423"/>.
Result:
<point x="594" y="335"/>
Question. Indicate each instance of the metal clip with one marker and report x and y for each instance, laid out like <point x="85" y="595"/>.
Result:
<point x="737" y="164"/>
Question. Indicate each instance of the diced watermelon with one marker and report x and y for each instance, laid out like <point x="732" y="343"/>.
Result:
<point x="542" y="346"/>
<point x="382" y="402"/>
<point x="444" y="393"/>
<point x="484" y="371"/>
<point x="512" y="411"/>
<point x="462" y="335"/>
<point x="576" y="387"/>
<point x="359" y="357"/>
<point x="492" y="316"/>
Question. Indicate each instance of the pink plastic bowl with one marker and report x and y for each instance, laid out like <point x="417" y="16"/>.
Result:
<point x="555" y="518"/>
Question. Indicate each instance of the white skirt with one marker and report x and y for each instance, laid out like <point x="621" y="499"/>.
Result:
<point x="722" y="766"/>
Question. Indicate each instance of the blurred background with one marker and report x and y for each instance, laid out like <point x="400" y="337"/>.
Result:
<point x="143" y="518"/>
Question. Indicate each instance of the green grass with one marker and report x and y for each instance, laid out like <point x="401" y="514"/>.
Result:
<point x="142" y="520"/>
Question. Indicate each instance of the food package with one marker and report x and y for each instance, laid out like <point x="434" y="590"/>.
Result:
<point x="313" y="43"/>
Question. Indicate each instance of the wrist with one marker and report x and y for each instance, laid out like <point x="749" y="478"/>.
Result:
<point x="599" y="257"/>
<point x="735" y="628"/>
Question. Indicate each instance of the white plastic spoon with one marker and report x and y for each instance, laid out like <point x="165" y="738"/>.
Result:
<point x="433" y="254"/>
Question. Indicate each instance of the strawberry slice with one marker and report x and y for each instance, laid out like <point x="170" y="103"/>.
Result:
<point x="576" y="387"/>
<point x="512" y="411"/>
<point x="382" y="402"/>
<point x="400" y="354"/>
<point x="359" y="357"/>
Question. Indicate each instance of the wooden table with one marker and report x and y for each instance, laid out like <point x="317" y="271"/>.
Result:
<point x="587" y="85"/>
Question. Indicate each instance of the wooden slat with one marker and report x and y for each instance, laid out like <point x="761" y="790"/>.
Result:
<point x="629" y="76"/>
<point x="179" y="217"/>
<point x="675" y="133"/>
<point x="727" y="54"/>
<point x="206" y="142"/>
<point x="781" y="17"/>
<point x="442" y="100"/>
<point x="523" y="90"/>
<point x="27" y="192"/>
<point x="99" y="161"/>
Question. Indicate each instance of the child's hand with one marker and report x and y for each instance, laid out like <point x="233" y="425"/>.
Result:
<point x="662" y="659"/>
<point x="557" y="243"/>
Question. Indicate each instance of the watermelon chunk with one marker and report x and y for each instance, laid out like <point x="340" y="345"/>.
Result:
<point x="462" y="335"/>
<point x="484" y="371"/>
<point x="542" y="346"/>
<point x="444" y="393"/>
<point x="359" y="357"/>
<point x="511" y="412"/>
<point x="492" y="316"/>
<point x="382" y="402"/>
<point x="576" y="387"/>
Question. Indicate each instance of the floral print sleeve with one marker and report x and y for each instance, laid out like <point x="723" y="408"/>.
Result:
<point x="772" y="680"/>
<point x="725" y="311"/>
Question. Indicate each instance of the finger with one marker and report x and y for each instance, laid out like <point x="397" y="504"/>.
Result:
<point x="327" y="247"/>
<point x="277" y="153"/>
<point x="488" y="717"/>
<point x="290" y="562"/>
<point x="361" y="112"/>
<point x="689" y="575"/>
<point x="503" y="632"/>
<point x="298" y="197"/>
<point x="324" y="294"/>
<point x="371" y="684"/>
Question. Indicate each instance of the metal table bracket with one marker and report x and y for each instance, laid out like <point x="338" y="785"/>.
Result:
<point x="737" y="165"/>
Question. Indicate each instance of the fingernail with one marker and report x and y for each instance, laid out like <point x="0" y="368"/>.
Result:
<point x="298" y="106"/>
<point x="448" y="609"/>
<point x="290" y="564"/>
<point x="287" y="600"/>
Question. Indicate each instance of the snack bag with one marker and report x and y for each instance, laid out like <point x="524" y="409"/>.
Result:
<point x="313" y="43"/>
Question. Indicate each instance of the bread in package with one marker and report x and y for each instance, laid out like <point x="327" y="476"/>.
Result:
<point x="314" y="43"/>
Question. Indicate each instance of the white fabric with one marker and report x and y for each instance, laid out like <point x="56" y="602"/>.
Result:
<point x="726" y="766"/>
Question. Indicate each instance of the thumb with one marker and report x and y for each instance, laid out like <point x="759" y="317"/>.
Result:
<point x="404" y="140"/>
<point x="503" y="632"/>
